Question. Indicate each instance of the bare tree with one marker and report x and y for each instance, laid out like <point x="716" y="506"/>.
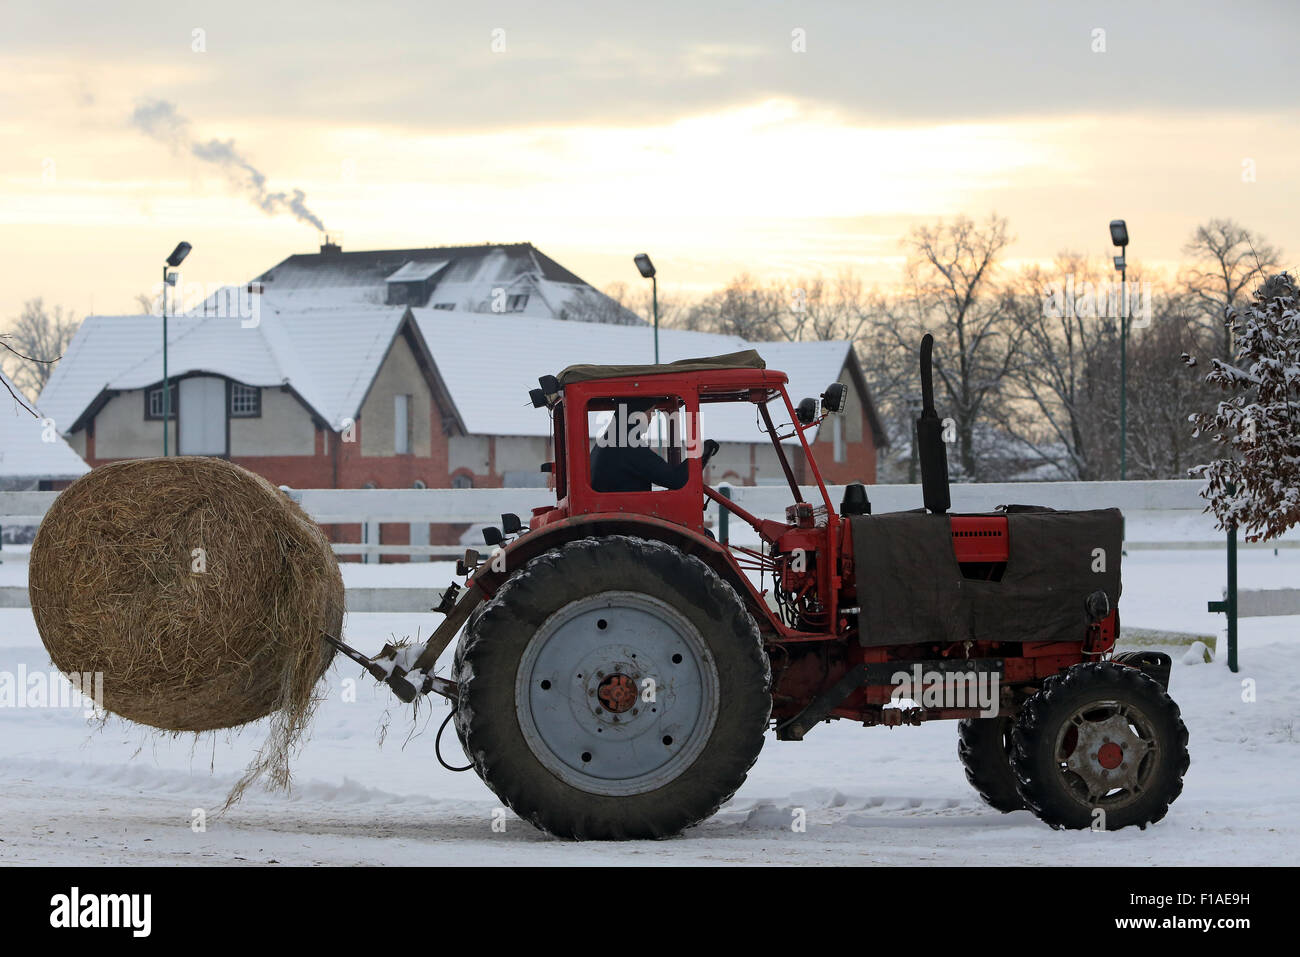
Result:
<point x="1164" y="393"/>
<point x="1060" y="389"/>
<point x="951" y="292"/>
<point x="1227" y="259"/>
<point x="824" y="309"/>
<point x="745" y="308"/>
<point x="37" y="340"/>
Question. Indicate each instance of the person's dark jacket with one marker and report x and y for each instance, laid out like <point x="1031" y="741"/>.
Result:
<point x="633" y="468"/>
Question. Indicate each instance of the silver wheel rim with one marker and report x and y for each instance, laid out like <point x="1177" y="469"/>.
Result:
<point x="1108" y="753"/>
<point x="584" y="661"/>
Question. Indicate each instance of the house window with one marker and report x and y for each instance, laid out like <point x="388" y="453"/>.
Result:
<point x="245" y="401"/>
<point x="462" y="481"/>
<point x="837" y="433"/>
<point x="402" y="424"/>
<point x="444" y="305"/>
<point x="153" y="402"/>
<point x="516" y="303"/>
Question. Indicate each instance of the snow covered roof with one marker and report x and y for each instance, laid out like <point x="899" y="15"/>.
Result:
<point x="467" y="278"/>
<point x="24" y="453"/>
<point x="329" y="357"/>
<point x="417" y="271"/>
<point x="488" y="364"/>
<point x="102" y="347"/>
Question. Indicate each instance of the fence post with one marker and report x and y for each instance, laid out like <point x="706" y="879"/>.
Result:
<point x="1229" y="604"/>
<point x="1232" y="598"/>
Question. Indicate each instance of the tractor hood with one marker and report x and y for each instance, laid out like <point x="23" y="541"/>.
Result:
<point x="912" y="589"/>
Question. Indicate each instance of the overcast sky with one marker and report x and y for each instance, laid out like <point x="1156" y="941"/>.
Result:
<point x="697" y="131"/>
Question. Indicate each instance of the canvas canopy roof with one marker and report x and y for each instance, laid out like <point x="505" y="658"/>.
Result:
<point x="746" y="359"/>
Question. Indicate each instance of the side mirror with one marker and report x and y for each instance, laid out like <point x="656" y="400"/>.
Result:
<point x="835" y="398"/>
<point x="806" y="411"/>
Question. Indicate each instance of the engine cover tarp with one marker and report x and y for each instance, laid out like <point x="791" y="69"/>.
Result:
<point x="911" y="588"/>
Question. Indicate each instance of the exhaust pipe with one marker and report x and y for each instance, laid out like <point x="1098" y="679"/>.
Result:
<point x="931" y="448"/>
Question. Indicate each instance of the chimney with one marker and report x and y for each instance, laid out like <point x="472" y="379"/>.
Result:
<point x="328" y="248"/>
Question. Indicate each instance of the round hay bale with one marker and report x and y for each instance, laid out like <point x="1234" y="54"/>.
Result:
<point x="198" y="590"/>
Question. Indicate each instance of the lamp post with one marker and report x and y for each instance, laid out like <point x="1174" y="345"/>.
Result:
<point x="169" y="279"/>
<point x="1119" y="237"/>
<point x="647" y="270"/>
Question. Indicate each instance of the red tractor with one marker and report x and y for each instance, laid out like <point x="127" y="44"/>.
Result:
<point x="620" y="667"/>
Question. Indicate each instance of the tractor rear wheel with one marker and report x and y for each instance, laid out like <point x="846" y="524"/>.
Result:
<point x="613" y="688"/>
<point x="984" y="746"/>
<point x="1100" y="745"/>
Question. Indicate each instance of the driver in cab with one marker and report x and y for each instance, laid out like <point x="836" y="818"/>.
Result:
<point x="623" y="460"/>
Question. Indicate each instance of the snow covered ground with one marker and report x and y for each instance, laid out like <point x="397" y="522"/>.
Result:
<point x="75" y="794"/>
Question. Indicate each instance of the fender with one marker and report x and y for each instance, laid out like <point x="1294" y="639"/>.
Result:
<point x="595" y="525"/>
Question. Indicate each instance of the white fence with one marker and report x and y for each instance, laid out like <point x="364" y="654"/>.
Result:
<point x="369" y="507"/>
<point x="474" y="505"/>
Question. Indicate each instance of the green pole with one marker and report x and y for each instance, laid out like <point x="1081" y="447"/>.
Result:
<point x="1123" y="373"/>
<point x="654" y="281"/>
<point x="1232" y="598"/>
<point x="1229" y="604"/>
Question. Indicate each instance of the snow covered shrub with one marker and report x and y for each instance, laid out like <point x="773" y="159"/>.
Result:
<point x="1255" y="483"/>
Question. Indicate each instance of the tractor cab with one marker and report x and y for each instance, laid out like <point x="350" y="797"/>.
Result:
<point x="626" y="414"/>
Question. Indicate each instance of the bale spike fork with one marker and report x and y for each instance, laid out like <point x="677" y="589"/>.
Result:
<point x="395" y="675"/>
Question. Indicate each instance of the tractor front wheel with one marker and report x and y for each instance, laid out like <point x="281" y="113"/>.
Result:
<point x="613" y="688"/>
<point x="1100" y="745"/>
